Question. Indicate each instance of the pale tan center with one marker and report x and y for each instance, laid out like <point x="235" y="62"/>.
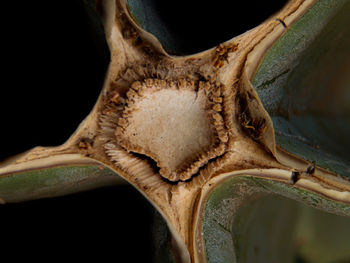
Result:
<point x="171" y="126"/>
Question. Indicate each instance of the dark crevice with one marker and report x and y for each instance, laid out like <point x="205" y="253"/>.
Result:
<point x="152" y="163"/>
<point x="53" y="64"/>
<point x="299" y="259"/>
<point x="193" y="26"/>
<point x="111" y="224"/>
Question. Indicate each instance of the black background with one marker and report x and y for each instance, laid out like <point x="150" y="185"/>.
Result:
<point x="52" y="69"/>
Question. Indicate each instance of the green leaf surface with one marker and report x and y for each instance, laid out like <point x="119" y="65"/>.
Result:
<point x="303" y="82"/>
<point x="55" y="181"/>
<point x="249" y="219"/>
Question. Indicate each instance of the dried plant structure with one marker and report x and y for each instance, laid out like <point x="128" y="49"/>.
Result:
<point x="222" y="143"/>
